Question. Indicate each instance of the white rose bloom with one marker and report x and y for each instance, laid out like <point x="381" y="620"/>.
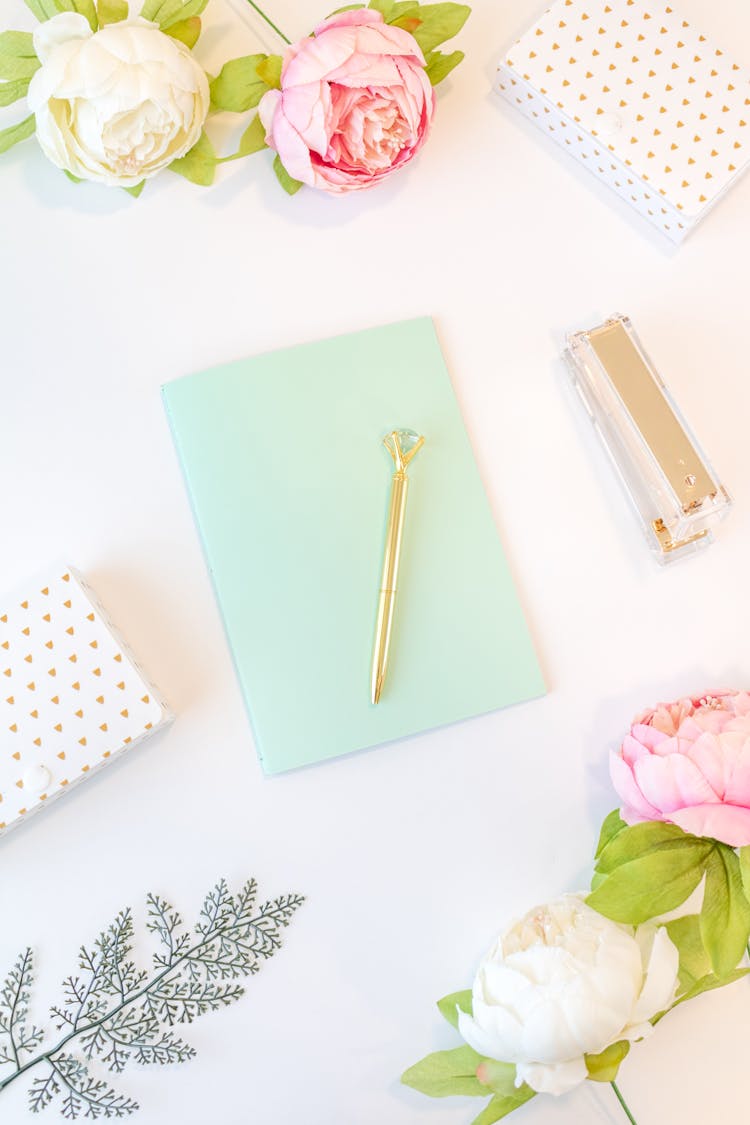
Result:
<point x="565" y="982"/>
<point x="117" y="105"/>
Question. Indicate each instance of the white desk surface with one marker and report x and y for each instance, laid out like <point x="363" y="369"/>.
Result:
<point x="411" y="855"/>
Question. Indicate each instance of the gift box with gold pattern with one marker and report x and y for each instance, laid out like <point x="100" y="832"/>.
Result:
<point x="73" y="697"/>
<point x="642" y="99"/>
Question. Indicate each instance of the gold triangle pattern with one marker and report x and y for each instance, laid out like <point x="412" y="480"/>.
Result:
<point x="87" y="701"/>
<point x="660" y="111"/>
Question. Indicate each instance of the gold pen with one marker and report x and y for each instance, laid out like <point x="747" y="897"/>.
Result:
<point x="403" y="446"/>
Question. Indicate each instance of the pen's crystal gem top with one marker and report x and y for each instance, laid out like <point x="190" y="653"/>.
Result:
<point x="407" y="439"/>
<point x="403" y="445"/>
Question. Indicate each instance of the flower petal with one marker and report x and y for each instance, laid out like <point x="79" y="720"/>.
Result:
<point x="557" y="1079"/>
<point x="315" y="61"/>
<point x="306" y="108"/>
<point x="737" y="790"/>
<point x="728" y="823"/>
<point x="498" y="1036"/>
<point x="267" y="107"/>
<point x="661" y="960"/>
<point x="647" y="735"/>
<point x="52" y="33"/>
<point x="632" y="749"/>
<point x="294" y="153"/>
<point x="628" y="789"/>
<point x="672" y="783"/>
<point x="352" y="17"/>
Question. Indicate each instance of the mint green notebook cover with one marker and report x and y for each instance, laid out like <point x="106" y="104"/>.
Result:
<point x="290" y="483"/>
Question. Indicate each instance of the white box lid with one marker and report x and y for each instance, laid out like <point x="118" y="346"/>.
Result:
<point x="657" y="93"/>
<point x="73" y="697"/>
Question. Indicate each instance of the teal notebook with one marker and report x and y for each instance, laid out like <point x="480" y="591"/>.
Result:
<point x="289" y="482"/>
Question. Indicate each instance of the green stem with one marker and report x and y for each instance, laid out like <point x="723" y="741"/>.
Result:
<point x="623" y="1103"/>
<point x="270" y="22"/>
<point x="237" y="156"/>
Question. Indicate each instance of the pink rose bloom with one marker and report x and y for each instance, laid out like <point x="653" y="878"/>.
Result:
<point x="688" y="763"/>
<point x="355" y="103"/>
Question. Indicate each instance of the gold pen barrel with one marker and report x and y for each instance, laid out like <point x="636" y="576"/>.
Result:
<point x="394" y="532"/>
<point x="389" y="581"/>
<point x="386" y="604"/>
<point x="403" y="446"/>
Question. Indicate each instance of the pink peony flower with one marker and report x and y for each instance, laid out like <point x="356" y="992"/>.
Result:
<point x="688" y="763"/>
<point x="355" y="103"/>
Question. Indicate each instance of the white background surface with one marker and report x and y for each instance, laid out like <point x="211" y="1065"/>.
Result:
<point x="412" y="855"/>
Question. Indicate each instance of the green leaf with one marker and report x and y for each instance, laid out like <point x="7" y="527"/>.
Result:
<point x="500" y="1077"/>
<point x="604" y="1066"/>
<point x="639" y="840"/>
<point x="16" y="133"/>
<point x="409" y="22"/>
<point x="439" y="65"/>
<point x="653" y="883"/>
<point x="11" y="91"/>
<point x="17" y="56"/>
<point x="87" y="9"/>
<point x="400" y="9"/>
<point x="448" y="1005"/>
<point x="611" y="825"/>
<point x="710" y="982"/>
<point x="73" y="179"/>
<point x="438" y="22"/>
<point x="290" y="185"/>
<point x="135" y="191"/>
<point x="391" y="11"/>
<point x="187" y="31"/>
<point x="725" y="914"/>
<point x="269" y="71"/>
<point x="198" y="165"/>
<point x="744" y="857"/>
<point x="39" y="9"/>
<point x="46" y="9"/>
<point x="162" y="11"/>
<point x="503" y="1104"/>
<point x="188" y="11"/>
<point x="111" y="11"/>
<point x="238" y="87"/>
<point x="695" y="963"/>
<point x="252" y="140"/>
<point x="492" y="1112"/>
<point x="445" y="1073"/>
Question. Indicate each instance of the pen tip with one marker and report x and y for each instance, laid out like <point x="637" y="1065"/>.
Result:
<point x="377" y="687"/>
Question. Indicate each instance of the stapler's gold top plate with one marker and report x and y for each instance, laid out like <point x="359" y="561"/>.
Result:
<point x="650" y="410"/>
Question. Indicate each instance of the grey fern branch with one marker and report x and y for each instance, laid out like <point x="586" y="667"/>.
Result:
<point x="16" y="1038"/>
<point x="113" y="1012"/>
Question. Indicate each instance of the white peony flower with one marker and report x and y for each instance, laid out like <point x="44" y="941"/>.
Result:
<point x="116" y="105"/>
<point x="565" y="982"/>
